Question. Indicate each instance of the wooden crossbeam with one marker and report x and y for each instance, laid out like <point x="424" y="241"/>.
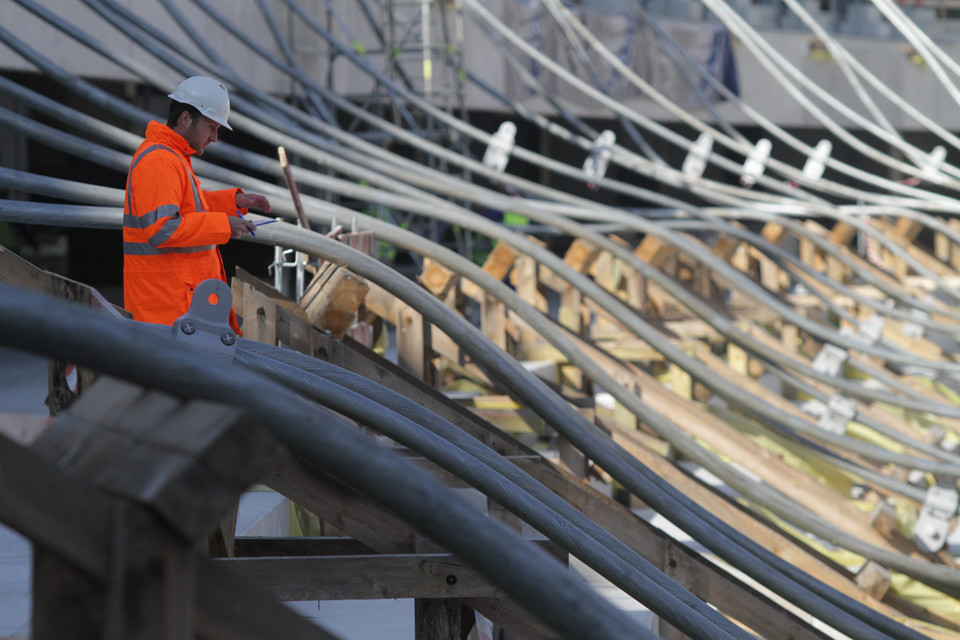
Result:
<point x="366" y="576"/>
<point x="498" y="264"/>
<point x="186" y="460"/>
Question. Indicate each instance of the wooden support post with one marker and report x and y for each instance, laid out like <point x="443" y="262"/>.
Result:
<point x="738" y="359"/>
<point x="789" y="337"/>
<point x="414" y="340"/>
<point x="580" y="255"/>
<point x="493" y="320"/>
<point x="332" y="298"/>
<point x="954" y="249"/>
<point x="259" y="313"/>
<point x="281" y="320"/>
<point x="942" y="246"/>
<point x="66" y="602"/>
<point x="571" y="314"/>
<point x="176" y="468"/>
<point x="524" y="278"/>
<point x="436" y="619"/>
<point x="685" y="573"/>
<point x="874" y="578"/>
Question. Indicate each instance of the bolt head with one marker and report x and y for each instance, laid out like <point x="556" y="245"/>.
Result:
<point x="188" y="328"/>
<point x="228" y="338"/>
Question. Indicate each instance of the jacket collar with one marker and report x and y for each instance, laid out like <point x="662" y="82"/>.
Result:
<point x="159" y="132"/>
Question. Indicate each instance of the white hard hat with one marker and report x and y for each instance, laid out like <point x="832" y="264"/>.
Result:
<point x="207" y="95"/>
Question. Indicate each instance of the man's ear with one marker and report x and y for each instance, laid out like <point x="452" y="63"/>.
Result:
<point x="185" y="120"/>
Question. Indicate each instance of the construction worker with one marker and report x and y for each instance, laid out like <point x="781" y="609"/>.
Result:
<point x="171" y="226"/>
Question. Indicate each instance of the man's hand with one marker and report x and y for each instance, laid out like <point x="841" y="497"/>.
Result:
<point x="252" y="201"/>
<point x="240" y="226"/>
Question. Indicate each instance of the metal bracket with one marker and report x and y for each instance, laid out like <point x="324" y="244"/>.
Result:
<point x="840" y="411"/>
<point x="833" y="415"/>
<point x="871" y="329"/>
<point x="207" y="324"/>
<point x="830" y="359"/>
<point x="939" y="506"/>
<point x="915" y="330"/>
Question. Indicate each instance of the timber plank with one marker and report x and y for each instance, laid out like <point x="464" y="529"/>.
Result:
<point x="364" y="577"/>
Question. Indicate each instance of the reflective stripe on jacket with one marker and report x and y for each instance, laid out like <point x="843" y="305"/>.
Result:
<point x="171" y="229"/>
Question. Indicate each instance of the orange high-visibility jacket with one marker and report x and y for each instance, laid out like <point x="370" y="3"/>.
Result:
<point x="171" y="229"/>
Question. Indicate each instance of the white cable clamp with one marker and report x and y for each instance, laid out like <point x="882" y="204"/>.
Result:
<point x="817" y="161"/>
<point x="601" y="151"/>
<point x="839" y="411"/>
<point x="696" y="161"/>
<point x="871" y="329"/>
<point x="931" y="163"/>
<point x="939" y="506"/>
<point x="830" y="359"/>
<point x="756" y="162"/>
<point x="501" y="145"/>
<point x="915" y="330"/>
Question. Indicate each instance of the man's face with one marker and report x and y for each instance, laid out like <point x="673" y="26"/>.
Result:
<point x="199" y="133"/>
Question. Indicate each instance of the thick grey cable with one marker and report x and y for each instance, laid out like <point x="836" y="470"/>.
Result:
<point x="784" y="169"/>
<point x="118" y="161"/>
<point x="840" y="52"/>
<point x="587" y="64"/>
<point x="902" y="254"/>
<point x="841" y="56"/>
<point x="779" y="132"/>
<point x="720" y="385"/>
<point x="314" y="99"/>
<point x="392" y="399"/>
<point x="504" y="482"/>
<point x="625" y="468"/>
<point x="322" y="439"/>
<point x="770" y="58"/>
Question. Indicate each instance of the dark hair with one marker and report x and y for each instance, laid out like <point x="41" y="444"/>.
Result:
<point x="176" y="108"/>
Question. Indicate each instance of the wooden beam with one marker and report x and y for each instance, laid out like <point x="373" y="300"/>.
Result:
<point x="436" y="278"/>
<point x="498" y="264"/>
<point x="260" y="547"/>
<point x="654" y="252"/>
<point x="187" y="460"/>
<point x="363" y="577"/>
<point x="332" y="299"/>
<point x="345" y="509"/>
